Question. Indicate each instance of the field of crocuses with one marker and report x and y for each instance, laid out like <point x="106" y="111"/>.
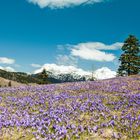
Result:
<point x="97" y="110"/>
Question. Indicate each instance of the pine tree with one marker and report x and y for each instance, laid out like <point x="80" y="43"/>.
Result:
<point x="43" y="77"/>
<point x="130" y="59"/>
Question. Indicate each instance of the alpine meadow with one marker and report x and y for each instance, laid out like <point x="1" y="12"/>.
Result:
<point x="69" y="70"/>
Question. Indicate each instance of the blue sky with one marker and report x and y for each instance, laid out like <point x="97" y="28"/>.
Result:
<point x="65" y="33"/>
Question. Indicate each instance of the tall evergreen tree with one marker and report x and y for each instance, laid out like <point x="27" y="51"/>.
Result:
<point x="43" y="77"/>
<point x="130" y="59"/>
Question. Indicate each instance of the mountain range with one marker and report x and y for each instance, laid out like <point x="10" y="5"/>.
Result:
<point x="55" y="77"/>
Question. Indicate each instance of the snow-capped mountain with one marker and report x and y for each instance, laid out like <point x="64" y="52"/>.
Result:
<point x="63" y="73"/>
<point x="104" y="73"/>
<point x="67" y="77"/>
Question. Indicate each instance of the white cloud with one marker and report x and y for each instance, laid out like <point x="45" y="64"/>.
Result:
<point x="102" y="73"/>
<point x="5" y="60"/>
<point x="36" y="65"/>
<point x="10" y="69"/>
<point x="62" y="3"/>
<point x="100" y="46"/>
<point x="95" y="51"/>
<point x="66" y="60"/>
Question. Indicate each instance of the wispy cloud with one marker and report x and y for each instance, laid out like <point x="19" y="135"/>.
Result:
<point x="36" y="65"/>
<point x="95" y="51"/>
<point x="5" y="60"/>
<point x="62" y="3"/>
<point x="66" y="60"/>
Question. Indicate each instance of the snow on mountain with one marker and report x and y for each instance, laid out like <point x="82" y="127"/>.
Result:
<point x="59" y="71"/>
<point x="10" y="69"/>
<point x="104" y="73"/>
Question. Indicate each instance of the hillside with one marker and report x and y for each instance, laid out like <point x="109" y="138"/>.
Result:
<point x="100" y="110"/>
<point x="5" y="83"/>
<point x="19" y="77"/>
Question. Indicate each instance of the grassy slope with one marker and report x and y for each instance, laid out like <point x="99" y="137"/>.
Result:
<point x="4" y="83"/>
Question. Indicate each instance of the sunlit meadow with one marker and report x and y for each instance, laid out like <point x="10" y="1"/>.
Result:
<point x="97" y="110"/>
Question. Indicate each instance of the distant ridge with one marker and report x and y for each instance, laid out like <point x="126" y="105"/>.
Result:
<point x="24" y="78"/>
<point x="19" y="77"/>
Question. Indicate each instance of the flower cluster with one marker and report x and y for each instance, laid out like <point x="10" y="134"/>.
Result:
<point x="108" y="109"/>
